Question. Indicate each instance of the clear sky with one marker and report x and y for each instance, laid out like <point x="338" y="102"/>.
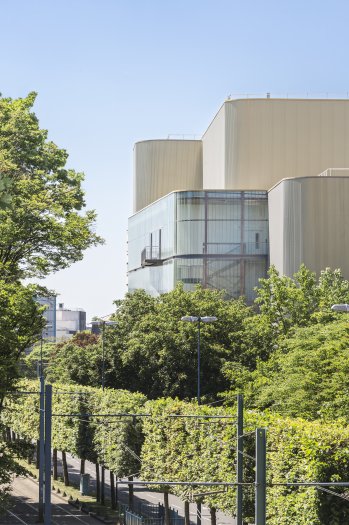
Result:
<point x="112" y="72"/>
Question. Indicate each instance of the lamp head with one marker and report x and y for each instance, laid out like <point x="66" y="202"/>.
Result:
<point x="340" y="307"/>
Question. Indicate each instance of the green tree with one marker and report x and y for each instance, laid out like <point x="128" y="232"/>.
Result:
<point x="21" y="323"/>
<point x="42" y="229"/>
<point x="307" y="376"/>
<point x="287" y="301"/>
<point x="302" y="300"/>
<point x="42" y="226"/>
<point x="158" y="352"/>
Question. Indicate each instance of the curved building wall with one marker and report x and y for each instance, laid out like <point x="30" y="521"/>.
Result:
<point x="163" y="166"/>
<point x="266" y="140"/>
<point x="308" y="223"/>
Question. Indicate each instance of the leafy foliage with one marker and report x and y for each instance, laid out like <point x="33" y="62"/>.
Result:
<point x="302" y="300"/>
<point x="21" y="322"/>
<point x="42" y="229"/>
<point x="306" y="376"/>
<point x="176" y="448"/>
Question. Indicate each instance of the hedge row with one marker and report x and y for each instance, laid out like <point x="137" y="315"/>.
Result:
<point x="202" y="449"/>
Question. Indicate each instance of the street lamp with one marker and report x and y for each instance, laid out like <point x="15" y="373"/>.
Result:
<point x="199" y="320"/>
<point x="103" y="324"/>
<point x="340" y="307"/>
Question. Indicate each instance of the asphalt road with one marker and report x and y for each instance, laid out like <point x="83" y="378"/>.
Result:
<point x="25" y="501"/>
<point x="24" y="509"/>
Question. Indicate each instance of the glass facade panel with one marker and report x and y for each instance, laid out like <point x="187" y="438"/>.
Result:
<point x="189" y="272"/>
<point x="223" y="237"/>
<point x="218" y="239"/>
<point x="190" y="206"/>
<point x="153" y="230"/>
<point x="190" y="237"/>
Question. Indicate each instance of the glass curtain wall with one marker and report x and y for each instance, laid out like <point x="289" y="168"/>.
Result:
<point x="151" y="247"/>
<point x="218" y="239"/>
<point x="222" y="240"/>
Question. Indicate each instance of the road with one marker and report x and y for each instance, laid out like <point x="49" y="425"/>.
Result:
<point x="144" y="495"/>
<point x="25" y="498"/>
<point x="25" y="507"/>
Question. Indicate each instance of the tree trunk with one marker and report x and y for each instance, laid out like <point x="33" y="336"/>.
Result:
<point x="65" y="469"/>
<point x="186" y="513"/>
<point x="82" y="466"/>
<point x="54" y="464"/>
<point x="103" y="486"/>
<point x="130" y="493"/>
<point x="198" y="513"/>
<point x="112" y="490"/>
<point x="8" y="434"/>
<point x="213" y="516"/>
<point x="98" y="488"/>
<point x="167" y="509"/>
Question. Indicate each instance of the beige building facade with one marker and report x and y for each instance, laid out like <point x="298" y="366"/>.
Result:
<point x="294" y="150"/>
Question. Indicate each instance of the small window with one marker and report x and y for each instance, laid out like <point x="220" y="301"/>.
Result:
<point x="257" y="240"/>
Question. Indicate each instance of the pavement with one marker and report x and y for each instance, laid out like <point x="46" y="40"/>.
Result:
<point x="24" y="508"/>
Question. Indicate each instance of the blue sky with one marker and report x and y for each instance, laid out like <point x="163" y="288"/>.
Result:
<point x="111" y="72"/>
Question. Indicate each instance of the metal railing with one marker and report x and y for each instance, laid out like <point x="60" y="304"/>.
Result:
<point x="332" y="172"/>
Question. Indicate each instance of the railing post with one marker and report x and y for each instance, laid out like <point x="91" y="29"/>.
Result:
<point x="239" y="458"/>
<point x="48" y="431"/>
<point x="261" y="465"/>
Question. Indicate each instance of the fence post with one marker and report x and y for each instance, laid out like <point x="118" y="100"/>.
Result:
<point x="239" y="457"/>
<point x="261" y="465"/>
<point x="48" y="423"/>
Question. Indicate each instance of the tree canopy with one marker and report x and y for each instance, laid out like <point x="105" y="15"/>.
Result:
<point x="43" y="227"/>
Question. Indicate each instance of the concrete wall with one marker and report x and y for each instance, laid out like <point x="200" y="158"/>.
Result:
<point x="213" y="145"/>
<point x="266" y="140"/>
<point x="308" y="223"/>
<point x="163" y="166"/>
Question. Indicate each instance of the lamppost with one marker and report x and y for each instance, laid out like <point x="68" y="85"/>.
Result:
<point x="103" y="324"/>
<point x="198" y="320"/>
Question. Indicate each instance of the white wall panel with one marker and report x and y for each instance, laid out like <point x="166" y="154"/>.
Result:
<point x="214" y="152"/>
<point x="163" y="166"/>
<point x="308" y="221"/>
<point x="271" y="139"/>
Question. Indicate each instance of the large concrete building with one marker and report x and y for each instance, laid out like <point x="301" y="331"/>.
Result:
<point x="268" y="183"/>
<point x="69" y="321"/>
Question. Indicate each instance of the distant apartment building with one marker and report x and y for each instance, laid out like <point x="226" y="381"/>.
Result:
<point x="268" y="183"/>
<point x="49" y="331"/>
<point x="69" y="321"/>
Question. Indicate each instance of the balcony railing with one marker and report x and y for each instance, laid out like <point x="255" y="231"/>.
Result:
<point x="151" y="256"/>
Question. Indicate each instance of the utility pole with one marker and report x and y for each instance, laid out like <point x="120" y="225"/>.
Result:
<point x="239" y="458"/>
<point x="261" y="478"/>
<point x="48" y="431"/>
<point x="41" y="447"/>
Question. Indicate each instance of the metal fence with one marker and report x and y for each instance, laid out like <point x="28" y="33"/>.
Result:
<point x="147" y="514"/>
